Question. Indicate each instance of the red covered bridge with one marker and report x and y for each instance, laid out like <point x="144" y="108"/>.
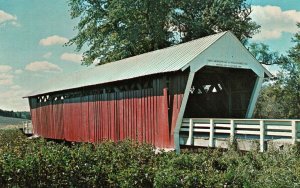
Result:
<point x="146" y="97"/>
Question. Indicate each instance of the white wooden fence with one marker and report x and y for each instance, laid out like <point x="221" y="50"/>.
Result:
<point x="249" y="129"/>
<point x="27" y="127"/>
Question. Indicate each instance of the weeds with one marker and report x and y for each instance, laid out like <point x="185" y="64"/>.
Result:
<point x="40" y="163"/>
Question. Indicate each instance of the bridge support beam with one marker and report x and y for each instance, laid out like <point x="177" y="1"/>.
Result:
<point x="254" y="96"/>
<point x="181" y="111"/>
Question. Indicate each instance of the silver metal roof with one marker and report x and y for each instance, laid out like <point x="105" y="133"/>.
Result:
<point x="169" y="59"/>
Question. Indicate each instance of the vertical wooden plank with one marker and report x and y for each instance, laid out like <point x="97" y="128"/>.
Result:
<point x="139" y="116"/>
<point x="96" y="115"/>
<point x="85" y="120"/>
<point x="126" y="110"/>
<point x="106" y="112"/>
<point x="55" y="123"/>
<point x="51" y="115"/>
<point x="105" y="122"/>
<point x="102" y="119"/>
<point x="294" y="132"/>
<point x="232" y="130"/>
<point x="190" y="140"/>
<point x="141" y="113"/>
<point x="157" y="113"/>
<point x="65" y="110"/>
<point x="211" y="133"/>
<point x="262" y="135"/>
<point x="164" y="118"/>
<point x="100" y="116"/>
<point x="148" y="116"/>
<point x="145" y="128"/>
<point x="152" y="117"/>
<point x="130" y="112"/>
<point x="112" y="117"/>
<point x="121" y="103"/>
<point x="92" y="118"/>
<point x="116" y="117"/>
<point x="123" y="124"/>
<point x="134" y="115"/>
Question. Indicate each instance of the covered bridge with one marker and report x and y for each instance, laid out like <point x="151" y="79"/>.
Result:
<point x="146" y="97"/>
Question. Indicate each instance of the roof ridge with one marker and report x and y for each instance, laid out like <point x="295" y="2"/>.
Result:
<point x="169" y="47"/>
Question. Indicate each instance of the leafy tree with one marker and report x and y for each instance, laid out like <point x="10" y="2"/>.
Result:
<point x="281" y="99"/>
<point x="114" y="29"/>
<point x="269" y="104"/>
<point x="263" y="53"/>
<point x="200" y="18"/>
<point x="290" y="79"/>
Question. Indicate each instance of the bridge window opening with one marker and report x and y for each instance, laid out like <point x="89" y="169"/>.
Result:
<point x="214" y="90"/>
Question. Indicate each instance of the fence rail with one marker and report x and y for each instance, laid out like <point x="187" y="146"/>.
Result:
<point x="249" y="129"/>
<point x="27" y="127"/>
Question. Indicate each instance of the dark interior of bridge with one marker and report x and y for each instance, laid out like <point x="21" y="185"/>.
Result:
<point x="220" y="93"/>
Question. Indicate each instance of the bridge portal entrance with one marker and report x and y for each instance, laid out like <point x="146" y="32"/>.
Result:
<point x="219" y="92"/>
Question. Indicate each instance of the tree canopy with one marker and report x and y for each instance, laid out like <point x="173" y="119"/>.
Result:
<point x="114" y="29"/>
<point x="263" y="54"/>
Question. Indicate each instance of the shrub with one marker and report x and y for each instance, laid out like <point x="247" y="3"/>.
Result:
<point x="41" y="163"/>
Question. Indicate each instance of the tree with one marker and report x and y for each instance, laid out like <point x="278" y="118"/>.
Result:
<point x="290" y="79"/>
<point x="269" y="103"/>
<point x="281" y="99"/>
<point x="263" y="53"/>
<point x="201" y="18"/>
<point x="114" y="29"/>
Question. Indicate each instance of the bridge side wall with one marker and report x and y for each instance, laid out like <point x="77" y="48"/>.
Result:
<point x="143" y="109"/>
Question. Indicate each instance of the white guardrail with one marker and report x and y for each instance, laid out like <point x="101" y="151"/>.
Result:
<point x="249" y="129"/>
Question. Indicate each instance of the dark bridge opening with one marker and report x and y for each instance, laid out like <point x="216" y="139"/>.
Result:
<point x="220" y="93"/>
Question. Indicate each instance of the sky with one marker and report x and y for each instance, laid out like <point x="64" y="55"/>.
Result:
<point x="33" y="33"/>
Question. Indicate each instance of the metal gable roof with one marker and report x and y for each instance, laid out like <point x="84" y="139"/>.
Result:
<point x="169" y="59"/>
<point x="160" y="61"/>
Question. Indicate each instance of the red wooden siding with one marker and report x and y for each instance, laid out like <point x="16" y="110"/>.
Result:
<point x="145" y="114"/>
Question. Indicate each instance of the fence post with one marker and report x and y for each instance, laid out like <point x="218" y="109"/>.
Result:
<point x="294" y="132"/>
<point x="190" y="140"/>
<point x="262" y="135"/>
<point x="232" y="129"/>
<point x="211" y="133"/>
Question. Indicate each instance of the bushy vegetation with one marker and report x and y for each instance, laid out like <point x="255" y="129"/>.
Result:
<point x="40" y="163"/>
